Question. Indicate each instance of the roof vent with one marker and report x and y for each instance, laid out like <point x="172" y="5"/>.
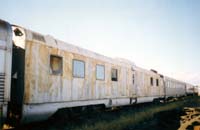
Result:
<point x="154" y="71"/>
<point x="161" y="76"/>
<point x="38" y="37"/>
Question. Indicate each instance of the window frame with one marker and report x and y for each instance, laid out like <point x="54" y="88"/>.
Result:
<point x="116" y="75"/>
<point x="50" y="66"/>
<point x="74" y="76"/>
<point x="103" y="73"/>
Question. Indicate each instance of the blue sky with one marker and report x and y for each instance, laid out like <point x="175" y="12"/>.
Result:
<point x="159" y="34"/>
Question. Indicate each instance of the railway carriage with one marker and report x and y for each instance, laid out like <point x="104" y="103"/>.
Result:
<point x="40" y="75"/>
<point x="174" y="88"/>
<point x="59" y="75"/>
<point x="190" y="89"/>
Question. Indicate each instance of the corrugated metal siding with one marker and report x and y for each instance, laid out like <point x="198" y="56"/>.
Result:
<point x="2" y="84"/>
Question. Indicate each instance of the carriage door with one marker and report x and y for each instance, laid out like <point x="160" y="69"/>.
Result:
<point x="5" y="65"/>
<point x="133" y="82"/>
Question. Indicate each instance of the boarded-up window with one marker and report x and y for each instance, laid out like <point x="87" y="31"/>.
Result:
<point x="114" y="75"/>
<point x="100" y="72"/>
<point x="55" y="64"/>
<point x="151" y="81"/>
<point x="78" y="68"/>
<point x="157" y="82"/>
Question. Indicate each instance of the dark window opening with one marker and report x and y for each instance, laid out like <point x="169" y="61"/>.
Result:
<point x="151" y="81"/>
<point x="56" y="65"/>
<point x="114" y="75"/>
<point x="18" y="32"/>
<point x="157" y="82"/>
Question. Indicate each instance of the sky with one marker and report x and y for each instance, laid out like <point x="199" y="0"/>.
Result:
<point x="155" y="34"/>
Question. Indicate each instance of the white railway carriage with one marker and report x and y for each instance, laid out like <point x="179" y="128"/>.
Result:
<point x="40" y="74"/>
<point x="174" y="88"/>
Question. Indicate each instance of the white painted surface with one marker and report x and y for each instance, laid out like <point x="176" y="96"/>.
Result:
<point x="19" y="40"/>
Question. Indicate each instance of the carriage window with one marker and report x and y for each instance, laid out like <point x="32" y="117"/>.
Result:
<point x="100" y="72"/>
<point x="151" y="81"/>
<point x="157" y="82"/>
<point x="133" y="79"/>
<point x="114" y="75"/>
<point x="55" y="65"/>
<point x="78" y="68"/>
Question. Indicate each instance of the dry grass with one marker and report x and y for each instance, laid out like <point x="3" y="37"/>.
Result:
<point x="133" y="118"/>
<point x="122" y="119"/>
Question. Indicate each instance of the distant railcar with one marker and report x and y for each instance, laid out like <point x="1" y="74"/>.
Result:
<point x="190" y="89"/>
<point x="196" y="90"/>
<point x="174" y="88"/>
<point x="40" y="75"/>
